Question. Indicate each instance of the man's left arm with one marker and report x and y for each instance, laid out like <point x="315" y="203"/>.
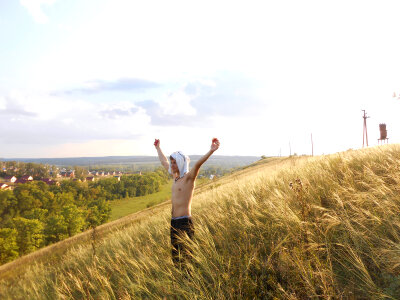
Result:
<point x="196" y="169"/>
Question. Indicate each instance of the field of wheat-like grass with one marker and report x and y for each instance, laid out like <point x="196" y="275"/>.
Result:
<point x="294" y="228"/>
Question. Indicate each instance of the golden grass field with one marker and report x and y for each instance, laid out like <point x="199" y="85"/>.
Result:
<point x="284" y="228"/>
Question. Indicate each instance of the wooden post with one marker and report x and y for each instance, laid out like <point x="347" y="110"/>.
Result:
<point x="312" y="146"/>
<point x="365" y="133"/>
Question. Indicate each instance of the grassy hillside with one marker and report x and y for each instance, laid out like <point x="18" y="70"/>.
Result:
<point x="123" y="207"/>
<point x="295" y="228"/>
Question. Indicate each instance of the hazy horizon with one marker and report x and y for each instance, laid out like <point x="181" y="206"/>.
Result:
<point x="8" y="158"/>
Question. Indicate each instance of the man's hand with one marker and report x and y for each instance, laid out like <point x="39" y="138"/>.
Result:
<point x="214" y="144"/>
<point x="157" y="143"/>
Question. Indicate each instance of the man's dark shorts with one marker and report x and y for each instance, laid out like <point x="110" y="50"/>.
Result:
<point x="180" y="251"/>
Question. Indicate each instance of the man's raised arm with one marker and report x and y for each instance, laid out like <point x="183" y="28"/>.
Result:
<point x="196" y="169"/>
<point x="161" y="156"/>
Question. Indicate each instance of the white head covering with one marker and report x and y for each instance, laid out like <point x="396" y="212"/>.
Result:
<point x="182" y="161"/>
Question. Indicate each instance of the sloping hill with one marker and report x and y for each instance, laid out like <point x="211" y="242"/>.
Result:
<point x="56" y="251"/>
<point x="294" y="228"/>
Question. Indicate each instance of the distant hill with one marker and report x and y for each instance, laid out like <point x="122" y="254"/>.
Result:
<point x="221" y="160"/>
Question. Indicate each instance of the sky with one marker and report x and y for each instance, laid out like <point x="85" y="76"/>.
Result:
<point x="107" y="77"/>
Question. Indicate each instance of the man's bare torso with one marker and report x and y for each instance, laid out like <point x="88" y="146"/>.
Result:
<point x="182" y="194"/>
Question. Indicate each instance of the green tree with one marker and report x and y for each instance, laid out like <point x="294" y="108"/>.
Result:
<point x="36" y="213"/>
<point x="54" y="171"/>
<point x="62" y="199"/>
<point x="32" y="195"/>
<point x="130" y="191"/>
<point x="55" y="229"/>
<point x="8" y="207"/>
<point x="40" y="171"/>
<point x="99" y="212"/>
<point x="8" y="245"/>
<point x="80" y="172"/>
<point x="73" y="219"/>
<point x="30" y="234"/>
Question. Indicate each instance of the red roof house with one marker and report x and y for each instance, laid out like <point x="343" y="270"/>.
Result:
<point x="11" y="179"/>
<point x="4" y="187"/>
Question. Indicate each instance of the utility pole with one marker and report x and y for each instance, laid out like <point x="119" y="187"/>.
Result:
<point x="312" y="146"/>
<point x="365" y="133"/>
<point x="290" y="149"/>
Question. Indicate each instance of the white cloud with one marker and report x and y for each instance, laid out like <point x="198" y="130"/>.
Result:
<point x="65" y="28"/>
<point x="34" y="7"/>
<point x="177" y="103"/>
<point x="3" y="103"/>
<point x="49" y="120"/>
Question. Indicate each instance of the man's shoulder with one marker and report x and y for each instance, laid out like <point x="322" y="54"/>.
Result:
<point x="190" y="176"/>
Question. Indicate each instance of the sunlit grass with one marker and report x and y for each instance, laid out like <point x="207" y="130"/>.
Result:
<point x="295" y="228"/>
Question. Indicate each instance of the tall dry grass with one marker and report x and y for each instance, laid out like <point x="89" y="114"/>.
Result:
<point x="318" y="228"/>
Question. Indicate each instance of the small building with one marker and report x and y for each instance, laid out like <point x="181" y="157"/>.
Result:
<point x="90" y="178"/>
<point x="118" y="177"/>
<point x="69" y="174"/>
<point x="10" y="179"/>
<point x="4" y="187"/>
<point x="27" y="177"/>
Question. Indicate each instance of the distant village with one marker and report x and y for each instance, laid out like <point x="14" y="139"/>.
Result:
<point x="8" y="182"/>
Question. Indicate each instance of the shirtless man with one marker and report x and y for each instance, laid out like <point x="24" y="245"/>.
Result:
<point x="182" y="194"/>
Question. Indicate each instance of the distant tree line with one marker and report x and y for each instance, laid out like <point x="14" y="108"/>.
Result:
<point x="35" y="214"/>
<point x="132" y="185"/>
<point x="214" y="170"/>
<point x="39" y="171"/>
<point x="126" y="168"/>
<point x="15" y="168"/>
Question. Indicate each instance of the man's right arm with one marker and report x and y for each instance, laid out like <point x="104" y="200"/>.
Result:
<point x="161" y="156"/>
